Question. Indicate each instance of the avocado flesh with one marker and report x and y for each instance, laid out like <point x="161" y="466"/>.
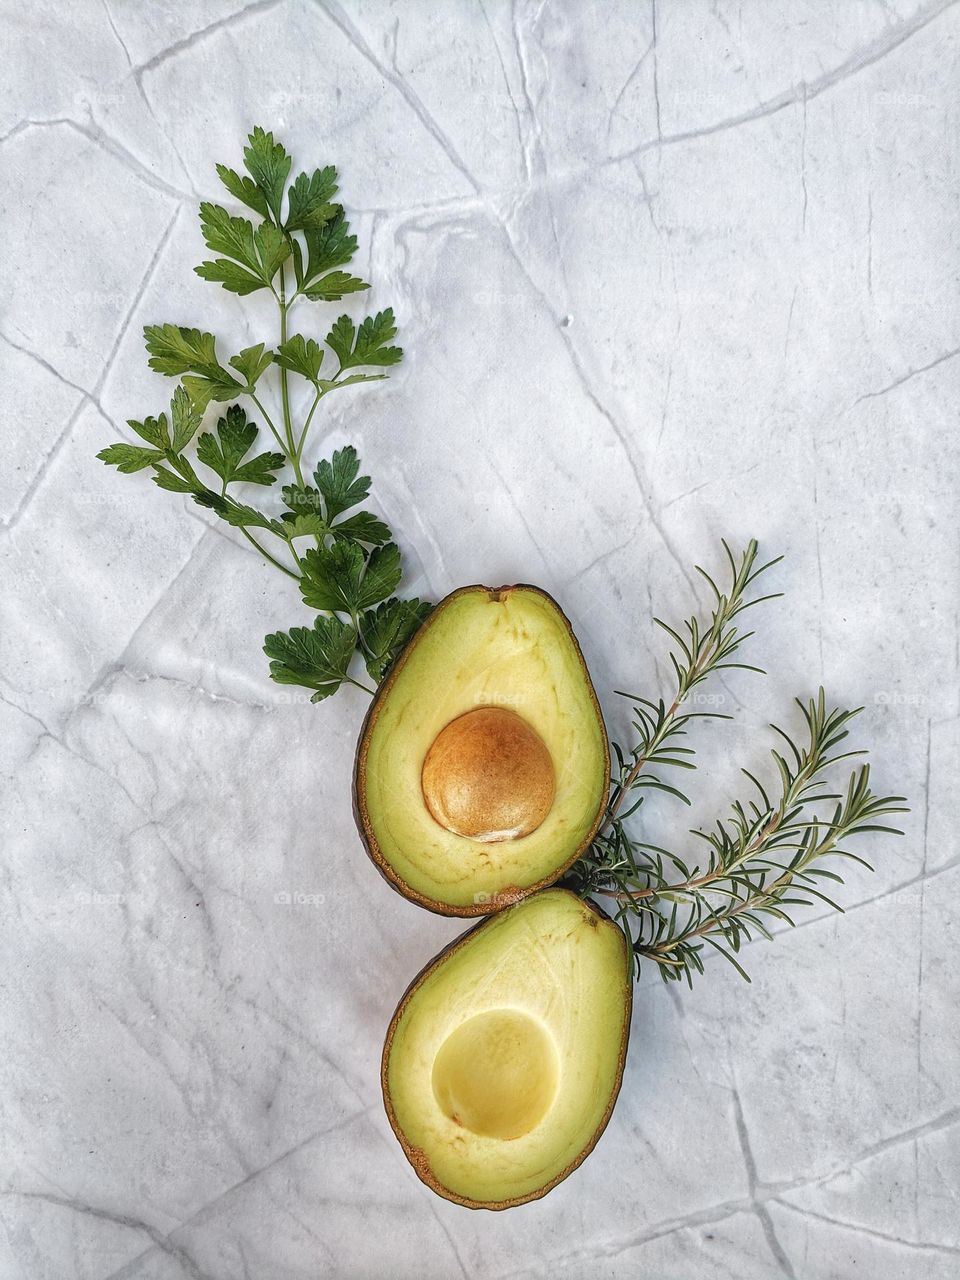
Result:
<point x="504" y="1059"/>
<point x="513" y="649"/>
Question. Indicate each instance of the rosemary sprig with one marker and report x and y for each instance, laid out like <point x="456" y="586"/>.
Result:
<point x="763" y="860"/>
<point x="701" y="651"/>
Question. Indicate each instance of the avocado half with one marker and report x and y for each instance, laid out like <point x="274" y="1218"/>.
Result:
<point x="483" y="770"/>
<point x="505" y="1056"/>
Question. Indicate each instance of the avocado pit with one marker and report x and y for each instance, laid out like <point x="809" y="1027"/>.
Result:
<point x="488" y="776"/>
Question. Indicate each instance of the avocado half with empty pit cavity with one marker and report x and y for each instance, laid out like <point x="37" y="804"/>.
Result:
<point x="504" y="1059"/>
<point x="483" y="769"/>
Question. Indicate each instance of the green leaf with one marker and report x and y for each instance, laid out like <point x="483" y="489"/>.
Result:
<point x="326" y="386"/>
<point x="233" y="278"/>
<point x="385" y="630"/>
<point x="204" y="389"/>
<point x="363" y="526"/>
<point x="339" y="482"/>
<point x="175" y="350"/>
<point x="332" y="246"/>
<point x="153" y="430"/>
<point x="374" y="332"/>
<point x="301" y="499"/>
<point x="273" y="248"/>
<point x="382" y="576"/>
<point x="236" y="513"/>
<point x="301" y="355"/>
<point x="304" y="514"/>
<point x="315" y="657"/>
<point x="332" y="576"/>
<point x="269" y="166"/>
<point x="232" y="236"/>
<point x="366" y="346"/>
<point x="169" y="480"/>
<point x="341" y="339"/>
<point x="308" y="200"/>
<point x="185" y="417"/>
<point x="223" y="453"/>
<point x="251" y="363"/>
<point x="243" y="189"/>
<point x="332" y="287"/>
<point x="340" y="579"/>
<point x="128" y="457"/>
<point x="305" y="525"/>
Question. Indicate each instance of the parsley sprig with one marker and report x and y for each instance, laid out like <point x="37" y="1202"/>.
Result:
<point x="347" y="565"/>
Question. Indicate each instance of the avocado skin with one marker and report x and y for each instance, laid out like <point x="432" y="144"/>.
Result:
<point x="396" y="882"/>
<point x="416" y="1157"/>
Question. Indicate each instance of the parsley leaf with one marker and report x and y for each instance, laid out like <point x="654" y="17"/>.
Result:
<point x="332" y="287"/>
<point x="331" y="246"/>
<point x="384" y="631"/>
<point x="177" y="351"/>
<point x="308" y="200"/>
<point x="362" y="527"/>
<point x="186" y="419"/>
<point x="251" y="363"/>
<point x="341" y="579"/>
<point x="224" y="452"/>
<point x="315" y="657"/>
<point x="269" y="166"/>
<point x="243" y="189"/>
<point x="236" y="513"/>
<point x="259" y="253"/>
<point x="339" y="482"/>
<point x="365" y="346"/>
<point x="128" y="458"/>
<point x="301" y="355"/>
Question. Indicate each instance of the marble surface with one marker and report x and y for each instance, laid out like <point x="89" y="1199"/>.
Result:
<point x="665" y="273"/>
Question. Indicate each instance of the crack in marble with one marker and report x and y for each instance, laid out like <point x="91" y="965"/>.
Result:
<point x="97" y="135"/>
<point x="624" y="88"/>
<point x="766" y="1222"/>
<point x="906" y="377"/>
<point x="764" y="1192"/>
<point x="643" y="487"/>
<point x="922" y="1246"/>
<point x="656" y="71"/>
<point x="341" y="21"/>
<point x="197" y="37"/>
<point x="858" y="61"/>
<point x="93" y="396"/>
<point x="159" y="1239"/>
<point x="204" y="1212"/>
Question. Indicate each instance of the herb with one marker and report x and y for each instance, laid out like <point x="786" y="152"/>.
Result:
<point x="350" y="567"/>
<point x="766" y="857"/>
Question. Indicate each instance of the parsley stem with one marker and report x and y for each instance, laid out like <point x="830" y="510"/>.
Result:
<point x="267" y="556"/>
<point x="292" y="453"/>
<point x="306" y="426"/>
<point x="269" y="422"/>
<point x="365" y="688"/>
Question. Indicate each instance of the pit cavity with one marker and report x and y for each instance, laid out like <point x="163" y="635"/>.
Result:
<point x="497" y="1074"/>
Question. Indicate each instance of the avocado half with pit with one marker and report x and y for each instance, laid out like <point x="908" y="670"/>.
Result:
<point x="483" y="769"/>
<point x="504" y="1059"/>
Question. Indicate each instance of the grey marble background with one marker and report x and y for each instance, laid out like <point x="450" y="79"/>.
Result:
<point x="664" y="273"/>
